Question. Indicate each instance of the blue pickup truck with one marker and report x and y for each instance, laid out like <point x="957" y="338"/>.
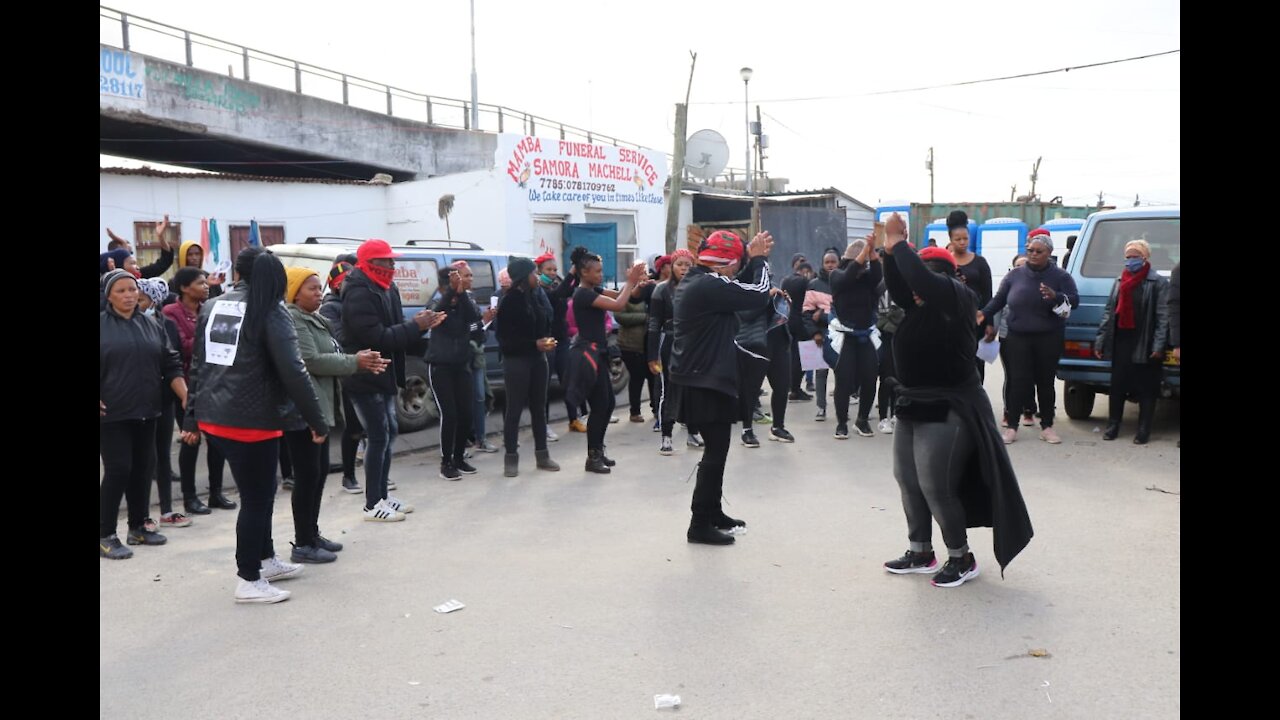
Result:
<point x="1096" y="259"/>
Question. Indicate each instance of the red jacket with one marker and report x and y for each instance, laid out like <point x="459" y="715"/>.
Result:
<point x="177" y="312"/>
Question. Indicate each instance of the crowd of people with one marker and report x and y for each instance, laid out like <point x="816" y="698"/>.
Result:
<point x="265" y="371"/>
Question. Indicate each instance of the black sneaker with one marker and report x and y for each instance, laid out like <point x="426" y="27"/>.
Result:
<point x="311" y="554"/>
<point x="863" y="427"/>
<point x="956" y="572"/>
<point x="727" y="524"/>
<point x="749" y="438"/>
<point x="913" y="562"/>
<point x="808" y="387"/>
<point x="110" y="548"/>
<point x="821" y="415"/>
<point x="464" y="467"/>
<point x="328" y="544"/>
<point x="449" y="472"/>
<point x="708" y="535"/>
<point x="781" y="435"/>
<point x="799" y="396"/>
<point x="287" y="483"/>
<point x="842" y="431"/>
<point x="351" y="485"/>
<point x="143" y="536"/>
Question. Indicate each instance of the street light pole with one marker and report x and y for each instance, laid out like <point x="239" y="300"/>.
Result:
<point x="746" y="115"/>
<point x="475" y="110"/>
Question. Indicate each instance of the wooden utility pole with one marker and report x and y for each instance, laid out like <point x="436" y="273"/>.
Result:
<point x="929" y="166"/>
<point x="1035" y="175"/>
<point x="1013" y="191"/>
<point x="677" y="170"/>
<point x="1100" y="198"/>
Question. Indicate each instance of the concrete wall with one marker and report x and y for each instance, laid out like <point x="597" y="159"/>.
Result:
<point x="149" y="90"/>
<point x="302" y="208"/>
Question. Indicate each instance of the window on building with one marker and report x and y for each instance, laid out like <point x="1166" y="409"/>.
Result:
<point x="268" y="234"/>
<point x="146" y="246"/>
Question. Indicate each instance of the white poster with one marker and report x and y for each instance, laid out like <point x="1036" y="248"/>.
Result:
<point x="222" y="334"/>
<point x="547" y="173"/>
<point x="811" y="356"/>
<point x="121" y="75"/>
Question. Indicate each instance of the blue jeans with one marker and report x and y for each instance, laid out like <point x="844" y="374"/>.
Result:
<point x="478" y="414"/>
<point x="377" y="413"/>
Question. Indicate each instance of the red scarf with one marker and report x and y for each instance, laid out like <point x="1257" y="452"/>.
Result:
<point x="381" y="276"/>
<point x="1129" y="284"/>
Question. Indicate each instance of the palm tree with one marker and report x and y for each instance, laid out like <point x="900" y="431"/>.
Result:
<point x="445" y="207"/>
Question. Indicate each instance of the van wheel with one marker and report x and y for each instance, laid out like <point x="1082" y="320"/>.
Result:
<point x="1078" y="401"/>
<point x="418" y="409"/>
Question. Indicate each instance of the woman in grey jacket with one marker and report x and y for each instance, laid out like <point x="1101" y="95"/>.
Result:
<point x="1132" y="335"/>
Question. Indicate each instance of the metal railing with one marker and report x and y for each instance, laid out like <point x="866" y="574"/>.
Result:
<point x="127" y="32"/>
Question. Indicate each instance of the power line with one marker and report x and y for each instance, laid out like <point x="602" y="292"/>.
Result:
<point x="950" y="85"/>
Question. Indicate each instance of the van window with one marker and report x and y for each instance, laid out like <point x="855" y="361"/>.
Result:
<point x="483" y="283"/>
<point x="417" y="280"/>
<point x="1104" y="258"/>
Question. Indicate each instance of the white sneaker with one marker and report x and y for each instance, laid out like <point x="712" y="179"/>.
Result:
<point x="551" y="435"/>
<point x="382" y="513"/>
<point x="886" y="426"/>
<point x="398" y="505"/>
<point x="259" y="591"/>
<point x="273" y="568"/>
<point x="391" y="484"/>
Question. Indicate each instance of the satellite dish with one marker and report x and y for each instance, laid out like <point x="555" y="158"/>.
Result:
<point x="706" y="154"/>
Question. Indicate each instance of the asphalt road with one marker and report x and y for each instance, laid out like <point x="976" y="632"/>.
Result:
<point x="583" y="599"/>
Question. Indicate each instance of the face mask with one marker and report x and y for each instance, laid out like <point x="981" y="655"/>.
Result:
<point x="150" y="312"/>
<point x="544" y="279"/>
<point x="1134" y="265"/>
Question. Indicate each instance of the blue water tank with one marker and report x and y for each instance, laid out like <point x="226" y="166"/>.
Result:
<point x="1002" y="239"/>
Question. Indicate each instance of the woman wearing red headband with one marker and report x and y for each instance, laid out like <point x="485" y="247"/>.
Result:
<point x="704" y="365"/>
<point x="947" y="455"/>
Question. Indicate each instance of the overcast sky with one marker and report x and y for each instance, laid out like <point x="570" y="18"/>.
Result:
<point x="619" y="68"/>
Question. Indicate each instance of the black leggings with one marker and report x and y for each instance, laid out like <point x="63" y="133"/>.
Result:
<point x="752" y="372"/>
<point x="286" y="462"/>
<point x="311" y="463"/>
<point x="164" y="448"/>
<point x="1030" y="408"/>
<point x="707" y="492"/>
<point x="526" y="386"/>
<point x="454" y="390"/>
<point x="856" y="371"/>
<point x="888" y="377"/>
<point x="128" y="453"/>
<point x="638" y="368"/>
<point x="1033" y="364"/>
<point x="351" y="435"/>
<point x="253" y="468"/>
<point x="601" y="403"/>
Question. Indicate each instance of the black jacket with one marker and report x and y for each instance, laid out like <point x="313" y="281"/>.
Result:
<point x="559" y="296"/>
<point x="661" y="314"/>
<point x="450" y="341"/>
<point x="935" y="344"/>
<point x="1150" y="316"/>
<point x="795" y="287"/>
<point x="754" y="324"/>
<point x="373" y="319"/>
<point x="265" y="384"/>
<point x="136" y="360"/>
<point x="811" y="327"/>
<point x="331" y="309"/>
<point x="522" y="321"/>
<point x="703" y="353"/>
<point x="158" y="267"/>
<point x="1175" y="307"/>
<point x="853" y="293"/>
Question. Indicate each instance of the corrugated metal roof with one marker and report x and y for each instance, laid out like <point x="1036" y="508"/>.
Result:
<point x="233" y="177"/>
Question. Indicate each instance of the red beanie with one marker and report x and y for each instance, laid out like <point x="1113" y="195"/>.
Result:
<point x="661" y="262"/>
<point x="720" y="248"/>
<point x="937" y="253"/>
